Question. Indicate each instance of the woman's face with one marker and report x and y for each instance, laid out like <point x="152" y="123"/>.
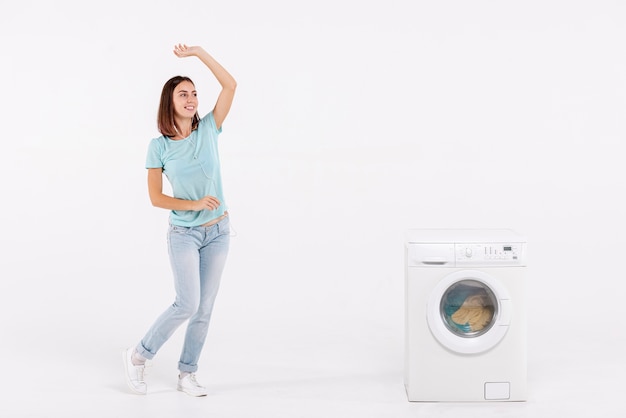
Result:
<point x="185" y="100"/>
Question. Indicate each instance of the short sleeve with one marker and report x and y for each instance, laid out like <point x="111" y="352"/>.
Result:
<point x="153" y="159"/>
<point x="210" y="119"/>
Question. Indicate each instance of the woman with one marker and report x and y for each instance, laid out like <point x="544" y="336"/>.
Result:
<point x="198" y="235"/>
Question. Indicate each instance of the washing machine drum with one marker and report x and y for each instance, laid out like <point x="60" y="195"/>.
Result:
<point x="469" y="312"/>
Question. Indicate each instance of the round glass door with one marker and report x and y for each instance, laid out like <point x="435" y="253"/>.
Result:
<point x="468" y="308"/>
<point x="469" y="311"/>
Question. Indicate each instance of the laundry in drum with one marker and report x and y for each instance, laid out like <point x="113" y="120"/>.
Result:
<point x="467" y="308"/>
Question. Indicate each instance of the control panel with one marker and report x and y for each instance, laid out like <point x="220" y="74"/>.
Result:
<point x="468" y="254"/>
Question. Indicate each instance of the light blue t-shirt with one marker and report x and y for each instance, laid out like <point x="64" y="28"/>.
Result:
<point x="192" y="166"/>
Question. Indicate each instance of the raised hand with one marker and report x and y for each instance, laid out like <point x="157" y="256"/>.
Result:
<point x="182" y="50"/>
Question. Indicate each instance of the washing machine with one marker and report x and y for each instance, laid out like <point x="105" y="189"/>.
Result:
<point x="465" y="315"/>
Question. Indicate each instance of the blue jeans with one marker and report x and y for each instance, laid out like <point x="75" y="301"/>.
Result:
<point x="197" y="255"/>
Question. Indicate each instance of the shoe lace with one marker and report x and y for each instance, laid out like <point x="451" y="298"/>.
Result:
<point x="147" y="367"/>
<point x="143" y="371"/>
<point x="140" y="373"/>
<point x="192" y="378"/>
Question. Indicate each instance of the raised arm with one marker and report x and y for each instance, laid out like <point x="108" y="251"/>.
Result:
<point x="228" y="83"/>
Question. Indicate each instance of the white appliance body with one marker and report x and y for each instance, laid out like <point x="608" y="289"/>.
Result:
<point x="465" y="315"/>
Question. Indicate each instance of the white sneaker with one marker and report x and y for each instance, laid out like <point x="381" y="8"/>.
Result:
<point x="190" y="386"/>
<point x="134" y="374"/>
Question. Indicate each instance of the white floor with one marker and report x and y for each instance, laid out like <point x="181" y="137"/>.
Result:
<point x="343" y="368"/>
<point x="286" y="345"/>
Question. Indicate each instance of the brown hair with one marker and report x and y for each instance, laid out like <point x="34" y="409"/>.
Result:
<point x="165" y="119"/>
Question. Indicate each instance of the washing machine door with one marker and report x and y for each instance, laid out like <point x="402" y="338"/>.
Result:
<point x="469" y="311"/>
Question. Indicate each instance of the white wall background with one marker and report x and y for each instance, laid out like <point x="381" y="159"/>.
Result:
<point x="353" y="121"/>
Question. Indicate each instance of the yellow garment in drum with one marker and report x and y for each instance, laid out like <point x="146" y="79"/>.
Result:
<point x="475" y="311"/>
